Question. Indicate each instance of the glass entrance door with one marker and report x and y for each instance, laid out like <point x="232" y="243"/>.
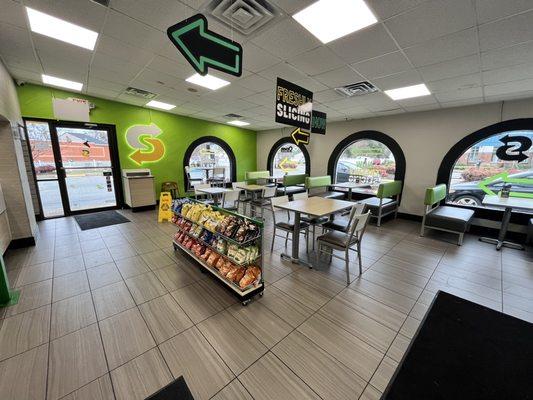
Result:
<point x="86" y="171"/>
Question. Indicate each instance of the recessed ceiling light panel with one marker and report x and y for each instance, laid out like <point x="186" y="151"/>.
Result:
<point x="160" y="105"/>
<point x="408" y="92"/>
<point x="63" y="83"/>
<point x="332" y="19"/>
<point x="61" y="30"/>
<point x="238" y="123"/>
<point x="207" y="81"/>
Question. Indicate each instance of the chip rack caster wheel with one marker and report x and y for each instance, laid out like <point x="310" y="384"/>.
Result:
<point x="246" y="302"/>
<point x="261" y="294"/>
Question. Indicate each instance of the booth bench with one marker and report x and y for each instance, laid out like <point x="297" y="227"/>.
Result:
<point x="319" y="186"/>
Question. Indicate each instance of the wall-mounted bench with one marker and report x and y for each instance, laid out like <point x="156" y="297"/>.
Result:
<point x="292" y="184"/>
<point x="386" y="200"/>
<point x="319" y="186"/>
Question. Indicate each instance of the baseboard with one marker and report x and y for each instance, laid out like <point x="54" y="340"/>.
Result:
<point x="410" y="217"/>
<point x="143" y="208"/>
<point x="21" y="243"/>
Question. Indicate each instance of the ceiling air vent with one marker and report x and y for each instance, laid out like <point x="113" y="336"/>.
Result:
<point x="139" y="93"/>
<point x="231" y="115"/>
<point x="357" y="89"/>
<point x="245" y="16"/>
<point x="104" y="3"/>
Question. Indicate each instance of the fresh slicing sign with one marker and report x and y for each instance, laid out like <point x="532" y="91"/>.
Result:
<point x="300" y="137"/>
<point x="294" y="105"/>
<point x="318" y="122"/>
<point x="205" y="49"/>
<point x="147" y="147"/>
<point x="504" y="177"/>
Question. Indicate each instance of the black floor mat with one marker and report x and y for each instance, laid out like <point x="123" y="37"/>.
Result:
<point x="177" y="390"/>
<point x="466" y="351"/>
<point x="99" y="219"/>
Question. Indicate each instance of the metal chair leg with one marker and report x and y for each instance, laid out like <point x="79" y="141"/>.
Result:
<point x="359" y="258"/>
<point x="347" y="260"/>
<point x="273" y="239"/>
<point x="460" y="242"/>
<point x="286" y="238"/>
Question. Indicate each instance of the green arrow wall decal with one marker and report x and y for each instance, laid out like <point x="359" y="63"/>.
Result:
<point x="504" y="177"/>
<point x="205" y="49"/>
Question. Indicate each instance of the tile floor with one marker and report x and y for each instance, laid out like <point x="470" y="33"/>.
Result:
<point x="114" y="313"/>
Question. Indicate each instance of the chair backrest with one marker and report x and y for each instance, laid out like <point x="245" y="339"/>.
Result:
<point x="255" y="176"/>
<point x="356" y="209"/>
<point x="389" y="189"/>
<point x="317" y="181"/>
<point x="435" y="194"/>
<point x="358" y="227"/>
<point x="201" y="186"/>
<point x="269" y="192"/>
<point x="292" y="180"/>
<point x="230" y="196"/>
<point x="300" y="196"/>
<point x="235" y="185"/>
<point x="274" y="201"/>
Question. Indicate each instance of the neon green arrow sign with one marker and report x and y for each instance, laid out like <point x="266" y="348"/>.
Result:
<point x="504" y="177"/>
<point x="205" y="49"/>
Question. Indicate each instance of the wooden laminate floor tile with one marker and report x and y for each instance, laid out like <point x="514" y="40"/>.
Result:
<point x="112" y="299"/>
<point x="99" y="389"/>
<point x="70" y="285"/>
<point x="71" y="314"/>
<point x="132" y="266"/>
<point x="103" y="275"/>
<point x="145" y="287"/>
<point x="233" y="391"/>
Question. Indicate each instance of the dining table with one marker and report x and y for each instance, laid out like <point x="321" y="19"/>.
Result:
<point x="363" y="188"/>
<point x="315" y="207"/>
<point x="215" y="192"/>
<point x="509" y="204"/>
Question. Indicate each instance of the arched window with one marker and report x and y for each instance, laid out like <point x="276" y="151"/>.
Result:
<point x="207" y="153"/>
<point x="367" y="157"/>
<point x="286" y="158"/>
<point x="489" y="160"/>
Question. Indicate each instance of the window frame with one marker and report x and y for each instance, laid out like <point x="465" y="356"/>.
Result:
<point x="280" y="143"/>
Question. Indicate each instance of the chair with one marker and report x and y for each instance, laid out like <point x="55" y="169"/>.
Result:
<point x="444" y="218"/>
<point x="343" y="225"/>
<point x="386" y="201"/>
<point x="191" y="181"/>
<point x="530" y="231"/>
<point x="243" y="197"/>
<point x="344" y="241"/>
<point x="312" y="221"/>
<point x="203" y="197"/>
<point x="219" y="176"/>
<point x="286" y="227"/>
<point x="264" y="200"/>
<point x="231" y="197"/>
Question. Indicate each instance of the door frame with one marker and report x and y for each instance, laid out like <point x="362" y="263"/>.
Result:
<point x="115" y="163"/>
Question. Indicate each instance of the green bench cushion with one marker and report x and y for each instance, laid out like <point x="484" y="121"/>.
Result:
<point x="317" y="181"/>
<point x="389" y="189"/>
<point x="435" y="194"/>
<point x="293" y="180"/>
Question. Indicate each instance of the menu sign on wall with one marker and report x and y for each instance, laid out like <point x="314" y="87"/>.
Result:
<point x="318" y="122"/>
<point x="294" y="105"/>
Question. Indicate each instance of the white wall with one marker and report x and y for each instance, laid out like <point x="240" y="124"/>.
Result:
<point x="13" y="177"/>
<point x="425" y="138"/>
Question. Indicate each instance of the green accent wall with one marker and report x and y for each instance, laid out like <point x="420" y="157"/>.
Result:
<point x="178" y="131"/>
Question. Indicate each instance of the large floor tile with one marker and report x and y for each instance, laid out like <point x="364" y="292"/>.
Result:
<point x="173" y="277"/>
<point x="123" y="251"/>
<point x="384" y="373"/>
<point x="383" y="295"/>
<point x="319" y="370"/>
<point x="75" y="360"/>
<point x="145" y="287"/>
<point x="103" y="275"/>
<point x="233" y="391"/>
<point x="157" y="259"/>
<point x="72" y="314"/>
<point x="141" y="377"/>
<point x="70" y="285"/>
<point x="191" y="356"/>
<point x="237" y="346"/>
<point x="307" y="295"/>
<point x="164" y="317"/>
<point x="34" y="273"/>
<point x="270" y="379"/>
<point x="112" y="299"/>
<point x="196" y="302"/>
<point x="290" y="310"/>
<point x="132" y="266"/>
<point x="125" y="337"/>
<point x="99" y="389"/>
<point x="32" y="296"/>
<point x="68" y="265"/>
<point x="96" y="258"/>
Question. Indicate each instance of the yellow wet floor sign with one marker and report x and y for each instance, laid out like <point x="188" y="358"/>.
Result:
<point x="165" y="207"/>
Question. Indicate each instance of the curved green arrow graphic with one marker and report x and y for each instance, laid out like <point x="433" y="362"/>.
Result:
<point x="504" y="176"/>
<point x="205" y="49"/>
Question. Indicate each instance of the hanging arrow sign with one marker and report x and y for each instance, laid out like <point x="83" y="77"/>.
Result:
<point x="205" y="49"/>
<point x="517" y="153"/>
<point x="300" y="136"/>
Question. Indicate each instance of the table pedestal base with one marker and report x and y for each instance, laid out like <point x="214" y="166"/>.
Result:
<point x="501" y="243"/>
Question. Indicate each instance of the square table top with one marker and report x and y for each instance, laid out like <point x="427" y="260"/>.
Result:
<point x="214" y="190"/>
<point x="351" y="185"/>
<point x="512" y="202"/>
<point x="316" y="206"/>
<point x="251" y="188"/>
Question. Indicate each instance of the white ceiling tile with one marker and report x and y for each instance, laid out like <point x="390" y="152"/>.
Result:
<point x="132" y="32"/>
<point x="509" y="87"/>
<point x="367" y="43"/>
<point x="49" y="49"/>
<point x="266" y="98"/>
<point x="160" y="14"/>
<point x="418" y="101"/>
<point x="316" y="61"/>
<point x="102" y="83"/>
<point x="256" y="59"/>
<point x="460" y="94"/>
<point x="255" y="83"/>
<point x="518" y="54"/>
<point x="406" y="78"/>
<point x="85" y="13"/>
<point x="102" y="92"/>
<point x="118" y="49"/>
<point x="528" y="94"/>
<point x="455" y="83"/>
<point x="488" y="10"/>
<point x="388" y="64"/>
<point x="378" y="102"/>
<point x="462" y="103"/>
<point x="158" y="81"/>
<point x="449" y="69"/>
<point x="136" y="101"/>
<point x="292" y="6"/>
<point x="282" y="70"/>
<point x="325" y="96"/>
<point x="311" y="84"/>
<point x="229" y="92"/>
<point x="448" y="47"/>
<point x="387" y="8"/>
<point x="339" y="77"/>
<point x="13" y="13"/>
<point x="104" y="62"/>
<point x="16" y="49"/>
<point x="171" y="68"/>
<point x="25" y="75"/>
<point x="286" y="39"/>
<point x="422" y="107"/>
<point x="508" y="74"/>
<point x="431" y="20"/>
<point x="506" y="32"/>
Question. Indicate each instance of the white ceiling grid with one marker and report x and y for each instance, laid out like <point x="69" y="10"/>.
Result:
<point x="465" y="51"/>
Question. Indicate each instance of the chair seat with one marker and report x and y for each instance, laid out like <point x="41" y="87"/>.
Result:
<point x="289" y="190"/>
<point x="451" y="218"/>
<point x="314" y="220"/>
<point x="374" y="202"/>
<point x="330" y="195"/>
<point x="337" y="238"/>
<point x="336" y="225"/>
<point x="290" y="227"/>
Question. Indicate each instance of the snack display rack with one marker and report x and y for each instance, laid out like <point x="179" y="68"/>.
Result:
<point x="226" y="244"/>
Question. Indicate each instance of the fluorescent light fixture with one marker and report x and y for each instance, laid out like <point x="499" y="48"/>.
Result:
<point x="61" y="30"/>
<point x="408" y="92"/>
<point x="63" y="83"/>
<point x="208" y="81"/>
<point x="332" y="19"/>
<point x="161" y="105"/>
<point x="238" y="123"/>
